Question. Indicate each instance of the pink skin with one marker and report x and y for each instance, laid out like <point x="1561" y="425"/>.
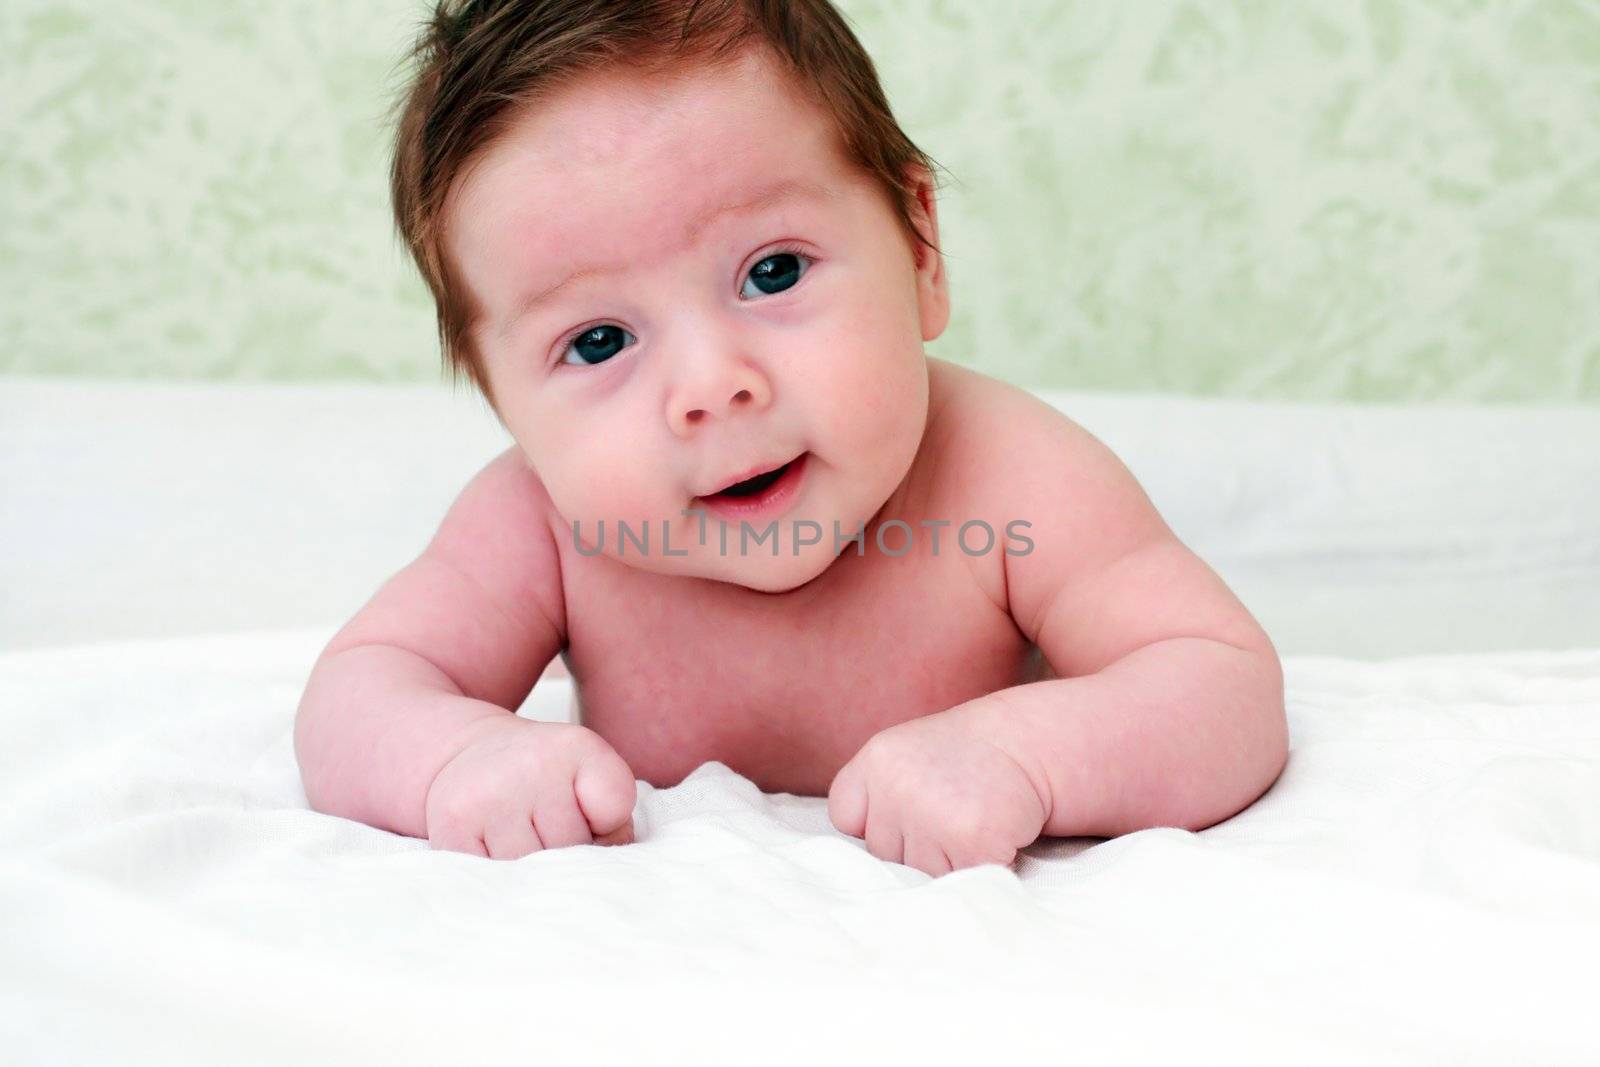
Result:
<point x="717" y="383"/>
<point x="952" y="707"/>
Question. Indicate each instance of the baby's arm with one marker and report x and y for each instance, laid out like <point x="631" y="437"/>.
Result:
<point x="1168" y="706"/>
<point x="406" y="723"/>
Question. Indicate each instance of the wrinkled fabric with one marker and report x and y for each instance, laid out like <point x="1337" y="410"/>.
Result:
<point x="1422" y="883"/>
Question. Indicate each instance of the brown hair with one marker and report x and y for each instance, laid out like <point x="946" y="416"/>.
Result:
<point x="477" y="61"/>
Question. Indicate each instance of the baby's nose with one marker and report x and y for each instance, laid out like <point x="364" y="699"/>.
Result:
<point x="740" y="388"/>
<point x="696" y="414"/>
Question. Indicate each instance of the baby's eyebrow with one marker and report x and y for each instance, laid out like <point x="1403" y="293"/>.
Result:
<point x="789" y="189"/>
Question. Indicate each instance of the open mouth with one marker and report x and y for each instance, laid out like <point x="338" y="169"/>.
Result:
<point x="752" y="486"/>
<point x="759" y="493"/>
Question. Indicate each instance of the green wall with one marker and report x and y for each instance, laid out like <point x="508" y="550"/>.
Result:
<point x="1397" y="199"/>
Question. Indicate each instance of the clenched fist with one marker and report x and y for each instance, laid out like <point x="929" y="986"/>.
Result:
<point x="521" y="786"/>
<point x="935" y="794"/>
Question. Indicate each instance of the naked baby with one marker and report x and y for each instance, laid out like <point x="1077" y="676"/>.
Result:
<point x="691" y="261"/>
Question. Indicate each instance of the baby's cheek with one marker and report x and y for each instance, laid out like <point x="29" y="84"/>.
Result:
<point x="864" y="366"/>
<point x="605" y="488"/>
<point x="578" y="484"/>
<point x="886" y="392"/>
<point x="590" y="470"/>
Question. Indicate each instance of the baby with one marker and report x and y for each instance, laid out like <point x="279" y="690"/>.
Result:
<point x="691" y="261"/>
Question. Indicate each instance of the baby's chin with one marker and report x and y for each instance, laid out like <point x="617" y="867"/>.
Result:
<point x="762" y="577"/>
<point x="761" y="573"/>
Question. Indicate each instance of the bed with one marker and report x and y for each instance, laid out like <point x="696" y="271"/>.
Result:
<point x="1421" y="885"/>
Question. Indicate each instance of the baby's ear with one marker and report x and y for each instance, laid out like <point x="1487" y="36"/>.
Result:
<point x="933" y="289"/>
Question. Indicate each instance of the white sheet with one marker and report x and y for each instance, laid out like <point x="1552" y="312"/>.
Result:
<point x="1422" y="885"/>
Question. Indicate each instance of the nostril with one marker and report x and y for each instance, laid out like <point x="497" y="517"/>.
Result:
<point x="743" y="394"/>
<point x="695" y="415"/>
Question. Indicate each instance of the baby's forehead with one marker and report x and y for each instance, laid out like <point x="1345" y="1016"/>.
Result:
<point x="578" y="172"/>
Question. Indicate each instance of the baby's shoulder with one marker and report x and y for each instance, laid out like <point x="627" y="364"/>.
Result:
<point x="1009" y="457"/>
<point x="998" y="443"/>
<point x="514" y="494"/>
<point x="502" y="529"/>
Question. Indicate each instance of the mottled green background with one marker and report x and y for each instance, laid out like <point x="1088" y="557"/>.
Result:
<point x="1396" y="199"/>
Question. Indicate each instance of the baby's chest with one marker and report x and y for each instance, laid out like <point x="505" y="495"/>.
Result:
<point x="785" y="698"/>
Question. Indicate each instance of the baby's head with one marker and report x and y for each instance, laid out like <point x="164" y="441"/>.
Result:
<point x="674" y="242"/>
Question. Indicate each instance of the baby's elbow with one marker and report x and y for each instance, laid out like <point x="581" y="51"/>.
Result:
<point x="310" y="752"/>
<point x="1261" y="752"/>
<point x="1269" y="733"/>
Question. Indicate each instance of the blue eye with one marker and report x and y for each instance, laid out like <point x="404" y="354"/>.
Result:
<point x="774" y="274"/>
<point x="598" y="344"/>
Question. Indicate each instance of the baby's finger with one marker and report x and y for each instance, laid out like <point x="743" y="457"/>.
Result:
<point x="560" y="820"/>
<point x="847" y="800"/>
<point x="511" y="837"/>
<point x="605" y="791"/>
<point x="457" y="840"/>
<point x="884" y="840"/>
<point x="978" y="855"/>
<point x="621" y="836"/>
<point x="925" y="855"/>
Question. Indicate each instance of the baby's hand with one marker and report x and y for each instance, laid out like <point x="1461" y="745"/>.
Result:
<point x="935" y="794"/>
<point x="522" y="786"/>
